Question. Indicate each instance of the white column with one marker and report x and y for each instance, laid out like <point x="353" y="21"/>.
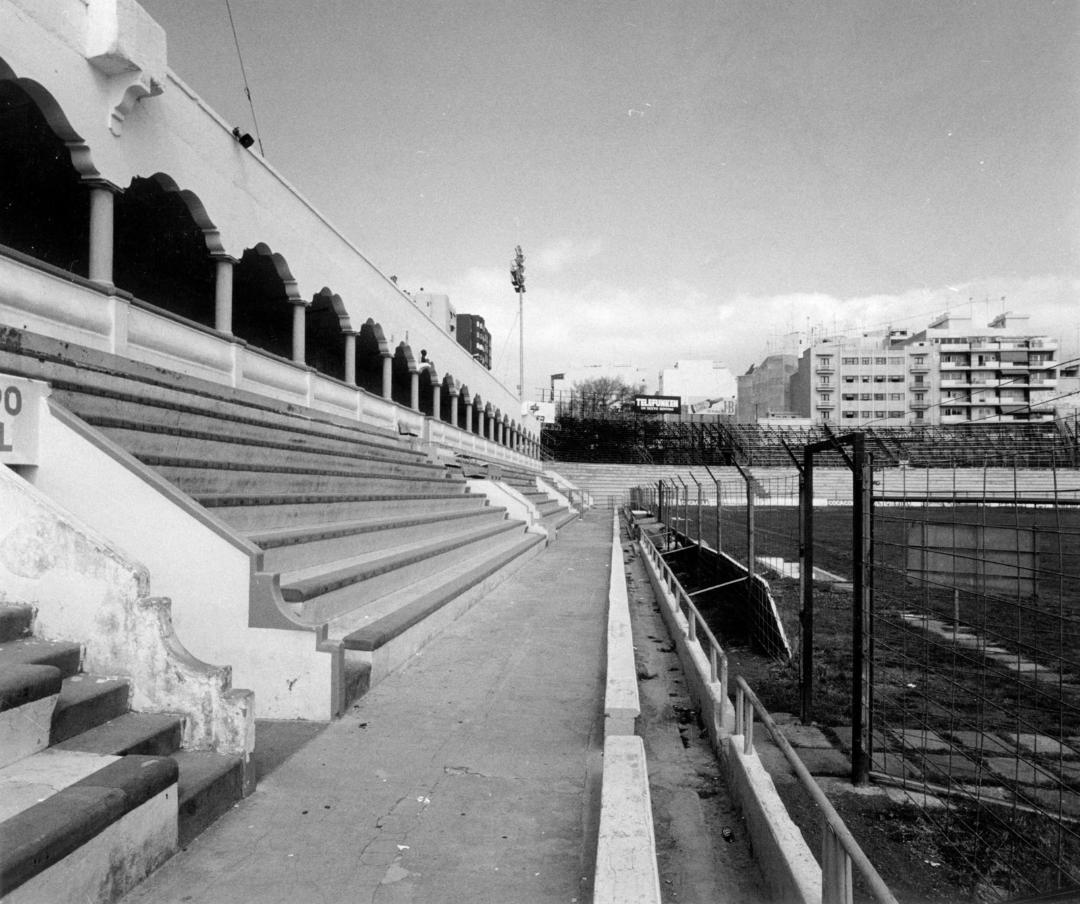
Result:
<point x="223" y="295"/>
<point x="101" y="232"/>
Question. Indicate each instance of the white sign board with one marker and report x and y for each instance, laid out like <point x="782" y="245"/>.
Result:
<point x="20" y="403"/>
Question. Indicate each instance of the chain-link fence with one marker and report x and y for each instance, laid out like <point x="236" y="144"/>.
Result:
<point x="972" y="602"/>
<point x="976" y="676"/>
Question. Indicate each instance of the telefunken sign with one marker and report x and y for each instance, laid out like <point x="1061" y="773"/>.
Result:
<point x="661" y="404"/>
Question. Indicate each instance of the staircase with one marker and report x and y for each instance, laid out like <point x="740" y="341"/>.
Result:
<point x="93" y="796"/>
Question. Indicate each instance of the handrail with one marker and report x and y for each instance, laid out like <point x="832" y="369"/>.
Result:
<point x="839" y="849"/>
<point x="696" y="626"/>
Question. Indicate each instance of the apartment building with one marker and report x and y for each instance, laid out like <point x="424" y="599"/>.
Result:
<point x="949" y="373"/>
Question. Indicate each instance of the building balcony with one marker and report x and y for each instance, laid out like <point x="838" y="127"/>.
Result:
<point x="919" y="368"/>
<point x="826" y="404"/>
<point x="825" y="369"/>
<point x="919" y="387"/>
<point x="919" y="406"/>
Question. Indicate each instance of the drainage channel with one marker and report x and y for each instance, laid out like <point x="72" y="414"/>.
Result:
<point x="702" y="849"/>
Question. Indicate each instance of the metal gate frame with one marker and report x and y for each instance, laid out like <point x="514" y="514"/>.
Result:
<point x="862" y="482"/>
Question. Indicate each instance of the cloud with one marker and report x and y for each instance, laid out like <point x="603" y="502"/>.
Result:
<point x="558" y="256"/>
<point x="570" y="323"/>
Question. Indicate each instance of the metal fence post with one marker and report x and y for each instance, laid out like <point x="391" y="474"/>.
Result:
<point x="806" y="579"/>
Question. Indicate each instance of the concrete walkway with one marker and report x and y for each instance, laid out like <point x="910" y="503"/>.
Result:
<point x="472" y="774"/>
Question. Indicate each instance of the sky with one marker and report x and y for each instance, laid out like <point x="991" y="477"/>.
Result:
<point x="686" y="179"/>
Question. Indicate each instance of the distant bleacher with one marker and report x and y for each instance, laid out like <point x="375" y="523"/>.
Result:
<point x="627" y="440"/>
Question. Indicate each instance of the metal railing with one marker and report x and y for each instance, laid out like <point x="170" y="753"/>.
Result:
<point x="839" y="849"/>
<point x="697" y="630"/>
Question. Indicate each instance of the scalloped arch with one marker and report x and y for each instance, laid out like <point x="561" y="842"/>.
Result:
<point x="195" y="207"/>
<point x="338" y="307"/>
<point x="405" y="352"/>
<point x="374" y="329"/>
<point x="81" y="157"/>
<point x="280" y="265"/>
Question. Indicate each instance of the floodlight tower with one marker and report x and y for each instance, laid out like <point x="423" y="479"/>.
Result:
<point x="517" y="279"/>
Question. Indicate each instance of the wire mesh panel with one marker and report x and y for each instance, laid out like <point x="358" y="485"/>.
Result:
<point x="976" y="672"/>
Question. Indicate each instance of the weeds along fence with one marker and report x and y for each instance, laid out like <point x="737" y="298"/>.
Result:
<point x="969" y="694"/>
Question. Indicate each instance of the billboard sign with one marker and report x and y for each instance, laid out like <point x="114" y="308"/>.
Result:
<point x="658" y="404"/>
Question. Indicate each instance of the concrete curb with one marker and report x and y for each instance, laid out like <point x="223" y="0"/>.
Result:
<point x="621" y="704"/>
<point x="626" y="869"/>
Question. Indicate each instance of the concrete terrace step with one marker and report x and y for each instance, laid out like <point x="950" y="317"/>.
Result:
<point x="209" y="785"/>
<point x="86" y="701"/>
<point x="199" y="478"/>
<point x="382" y="635"/>
<point x="246" y="424"/>
<point x="323" y="594"/>
<point x="185" y="396"/>
<point x="79" y="826"/>
<point x="64" y="656"/>
<point x="157" y="444"/>
<point x="291" y="548"/>
<point x="265" y="512"/>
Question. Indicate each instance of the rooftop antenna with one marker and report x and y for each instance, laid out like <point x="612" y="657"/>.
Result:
<point x="243" y="73"/>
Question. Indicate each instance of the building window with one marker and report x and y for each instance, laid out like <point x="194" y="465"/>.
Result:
<point x="879" y="379"/>
<point x="865" y="379"/>
<point x="881" y="360"/>
<point x="896" y="360"/>
<point x="866" y="396"/>
<point x="825" y="415"/>
<point x="849" y="396"/>
<point x="920" y="396"/>
<point x="825" y="380"/>
<point x="952" y="412"/>
<point x="879" y="414"/>
<point x="850" y="360"/>
<point x="866" y="360"/>
<point x="849" y="379"/>
<point x="918" y="415"/>
<point x="896" y="378"/>
<point x="850" y="414"/>
<point x="896" y="414"/>
<point x="879" y="397"/>
<point x="896" y="397"/>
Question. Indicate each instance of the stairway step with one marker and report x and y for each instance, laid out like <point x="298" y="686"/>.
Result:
<point x="67" y="657"/>
<point x="16" y="621"/>
<point x="148" y="734"/>
<point x="21" y="684"/>
<point x="210" y="784"/>
<point x="28" y="695"/>
<point x="87" y="701"/>
<point x="36" y="840"/>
